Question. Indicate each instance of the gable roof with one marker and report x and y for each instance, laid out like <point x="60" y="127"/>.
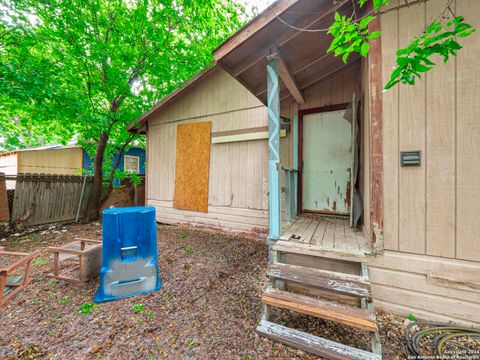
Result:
<point x="292" y="29"/>
<point x="257" y="23"/>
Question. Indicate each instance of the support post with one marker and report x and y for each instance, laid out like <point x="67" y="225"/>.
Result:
<point x="275" y="206"/>
<point x="295" y="166"/>
<point x="375" y="87"/>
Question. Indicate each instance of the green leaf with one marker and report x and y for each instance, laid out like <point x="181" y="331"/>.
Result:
<point x="365" y="21"/>
<point x="374" y="35"/>
<point x="364" y="49"/>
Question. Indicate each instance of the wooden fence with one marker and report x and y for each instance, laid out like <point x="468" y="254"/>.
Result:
<point x="43" y="199"/>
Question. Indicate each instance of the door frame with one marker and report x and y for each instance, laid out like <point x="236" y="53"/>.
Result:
<point x="301" y="114"/>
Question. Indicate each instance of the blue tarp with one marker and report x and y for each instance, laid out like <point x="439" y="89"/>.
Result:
<point x="129" y="253"/>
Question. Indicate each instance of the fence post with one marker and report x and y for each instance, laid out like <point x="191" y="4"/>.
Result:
<point x="81" y="197"/>
<point x="4" y="210"/>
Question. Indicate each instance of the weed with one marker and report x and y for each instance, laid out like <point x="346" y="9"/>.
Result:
<point x="64" y="300"/>
<point x="283" y="323"/>
<point x="167" y="296"/>
<point x="39" y="261"/>
<point x="412" y="317"/>
<point x="87" y="308"/>
<point x="183" y="236"/>
<point x="138" y="308"/>
<point x="188" y="250"/>
<point x="149" y="314"/>
<point x="190" y="343"/>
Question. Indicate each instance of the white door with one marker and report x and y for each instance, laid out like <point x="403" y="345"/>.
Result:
<point x="327" y="157"/>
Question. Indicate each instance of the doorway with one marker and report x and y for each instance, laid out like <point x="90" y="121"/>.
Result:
<point x="326" y="160"/>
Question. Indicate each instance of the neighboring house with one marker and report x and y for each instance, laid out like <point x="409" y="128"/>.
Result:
<point x="64" y="160"/>
<point x="394" y="177"/>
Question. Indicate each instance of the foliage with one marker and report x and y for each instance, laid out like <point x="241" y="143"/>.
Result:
<point x="412" y="317"/>
<point x="138" y="308"/>
<point x="437" y="39"/>
<point x="87" y="308"/>
<point x="90" y="67"/>
<point x="351" y="35"/>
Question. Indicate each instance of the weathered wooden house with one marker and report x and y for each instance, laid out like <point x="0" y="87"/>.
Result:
<point x="366" y="195"/>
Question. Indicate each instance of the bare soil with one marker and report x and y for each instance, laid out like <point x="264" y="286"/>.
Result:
<point x="208" y="307"/>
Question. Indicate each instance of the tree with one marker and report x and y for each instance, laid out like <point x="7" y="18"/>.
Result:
<point x="99" y="64"/>
<point x="351" y="35"/>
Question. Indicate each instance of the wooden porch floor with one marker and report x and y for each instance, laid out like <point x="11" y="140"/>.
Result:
<point x="328" y="233"/>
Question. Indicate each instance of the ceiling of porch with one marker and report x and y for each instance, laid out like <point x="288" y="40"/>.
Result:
<point x="289" y="29"/>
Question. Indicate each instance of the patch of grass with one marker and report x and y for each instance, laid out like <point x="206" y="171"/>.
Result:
<point x="64" y="300"/>
<point x="138" y="308"/>
<point x="188" y="250"/>
<point x="190" y="343"/>
<point x="167" y="295"/>
<point x="183" y="236"/>
<point x="149" y="314"/>
<point x="38" y="262"/>
<point x="87" y="308"/>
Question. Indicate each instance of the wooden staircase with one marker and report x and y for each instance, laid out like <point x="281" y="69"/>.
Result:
<point x="339" y="285"/>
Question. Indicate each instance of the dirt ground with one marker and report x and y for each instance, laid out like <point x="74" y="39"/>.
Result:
<point x="208" y="308"/>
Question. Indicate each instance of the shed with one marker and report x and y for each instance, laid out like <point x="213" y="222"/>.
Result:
<point x="64" y="160"/>
<point x="333" y="191"/>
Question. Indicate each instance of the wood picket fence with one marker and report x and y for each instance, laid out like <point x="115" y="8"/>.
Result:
<point x="44" y="198"/>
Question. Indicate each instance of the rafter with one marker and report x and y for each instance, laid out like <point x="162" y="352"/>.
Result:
<point x="283" y="38"/>
<point x="288" y="79"/>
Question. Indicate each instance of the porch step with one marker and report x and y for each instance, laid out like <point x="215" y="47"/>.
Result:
<point x="340" y="283"/>
<point x="313" y="344"/>
<point x="314" y="250"/>
<point x="344" y="314"/>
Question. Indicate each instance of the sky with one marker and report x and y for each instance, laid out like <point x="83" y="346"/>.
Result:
<point x="260" y="4"/>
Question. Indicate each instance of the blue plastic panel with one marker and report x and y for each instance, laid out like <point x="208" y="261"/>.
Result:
<point x="129" y="253"/>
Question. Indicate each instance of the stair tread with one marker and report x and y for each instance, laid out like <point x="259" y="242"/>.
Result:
<point x="328" y="310"/>
<point x="337" y="282"/>
<point x="313" y="344"/>
<point x="317" y="251"/>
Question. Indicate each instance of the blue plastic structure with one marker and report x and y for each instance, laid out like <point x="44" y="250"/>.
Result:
<point x="129" y="253"/>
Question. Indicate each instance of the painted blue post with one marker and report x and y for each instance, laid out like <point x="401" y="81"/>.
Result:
<point x="275" y="205"/>
<point x="295" y="166"/>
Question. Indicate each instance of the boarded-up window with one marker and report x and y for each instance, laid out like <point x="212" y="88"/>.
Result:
<point x="192" y="167"/>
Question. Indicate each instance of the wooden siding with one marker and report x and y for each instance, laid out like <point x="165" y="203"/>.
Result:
<point x="432" y="209"/>
<point x="56" y="161"/>
<point x="238" y="179"/>
<point x="9" y="164"/>
<point x="431" y="288"/>
<point x="432" y="260"/>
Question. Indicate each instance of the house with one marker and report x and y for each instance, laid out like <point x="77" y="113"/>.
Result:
<point x="64" y="160"/>
<point x="354" y="185"/>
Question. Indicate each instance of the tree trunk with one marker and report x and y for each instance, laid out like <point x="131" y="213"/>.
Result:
<point x="96" y="194"/>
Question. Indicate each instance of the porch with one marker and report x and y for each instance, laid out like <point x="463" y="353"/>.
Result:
<point x="327" y="234"/>
<point x="319" y="173"/>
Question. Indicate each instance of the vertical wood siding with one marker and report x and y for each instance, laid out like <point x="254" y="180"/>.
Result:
<point x="238" y="180"/>
<point x="57" y="161"/>
<point x="432" y="209"/>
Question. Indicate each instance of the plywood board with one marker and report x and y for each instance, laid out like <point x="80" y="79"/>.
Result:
<point x="192" y="166"/>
